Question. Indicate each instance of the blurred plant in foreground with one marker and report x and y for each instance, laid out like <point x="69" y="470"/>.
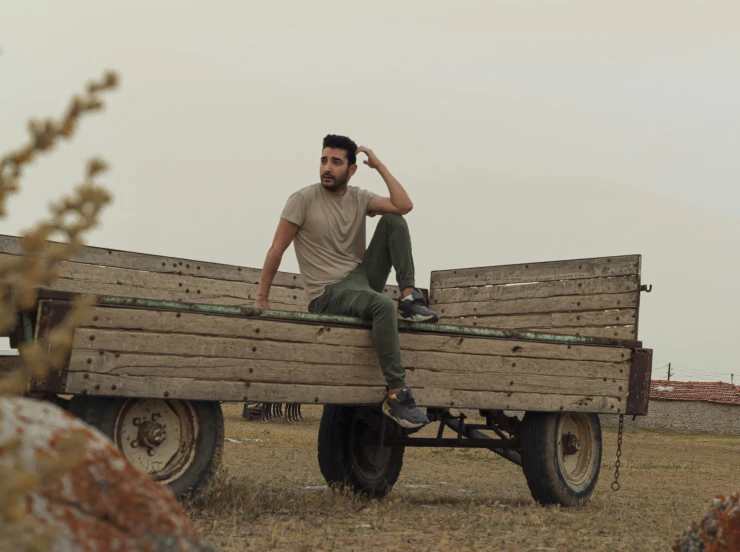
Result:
<point x="20" y="277"/>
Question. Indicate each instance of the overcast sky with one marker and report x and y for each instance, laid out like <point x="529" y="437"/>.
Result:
<point x="523" y="131"/>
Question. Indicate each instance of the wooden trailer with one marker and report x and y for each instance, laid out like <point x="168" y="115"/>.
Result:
<point x="170" y="339"/>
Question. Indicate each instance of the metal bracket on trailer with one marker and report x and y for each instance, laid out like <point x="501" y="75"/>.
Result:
<point x="468" y="435"/>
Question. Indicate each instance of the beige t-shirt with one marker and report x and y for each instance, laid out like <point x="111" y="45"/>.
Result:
<point x="330" y="242"/>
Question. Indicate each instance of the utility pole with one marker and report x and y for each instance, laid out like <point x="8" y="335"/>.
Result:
<point x="732" y="379"/>
<point x="669" y="371"/>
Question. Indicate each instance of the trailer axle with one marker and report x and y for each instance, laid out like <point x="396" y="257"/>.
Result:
<point x="454" y="443"/>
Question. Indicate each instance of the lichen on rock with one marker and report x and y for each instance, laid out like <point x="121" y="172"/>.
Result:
<point x="718" y="531"/>
<point x="101" y="502"/>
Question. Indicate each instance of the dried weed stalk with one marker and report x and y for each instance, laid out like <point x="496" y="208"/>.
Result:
<point x="20" y="277"/>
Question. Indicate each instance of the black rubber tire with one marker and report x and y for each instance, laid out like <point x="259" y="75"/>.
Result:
<point x="540" y="449"/>
<point x="343" y="440"/>
<point x="333" y="431"/>
<point x="102" y="412"/>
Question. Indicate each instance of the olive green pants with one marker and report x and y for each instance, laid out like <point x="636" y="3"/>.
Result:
<point x="361" y="295"/>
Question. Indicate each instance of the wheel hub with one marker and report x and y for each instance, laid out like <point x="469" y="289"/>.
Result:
<point x="157" y="436"/>
<point x="576" y="447"/>
<point x="571" y="444"/>
<point x="151" y="434"/>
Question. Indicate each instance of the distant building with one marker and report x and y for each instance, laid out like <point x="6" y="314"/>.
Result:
<point x="711" y="407"/>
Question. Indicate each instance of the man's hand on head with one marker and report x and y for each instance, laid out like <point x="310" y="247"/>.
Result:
<point x="372" y="160"/>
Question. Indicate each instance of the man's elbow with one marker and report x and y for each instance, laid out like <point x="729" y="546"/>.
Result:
<point x="405" y="209"/>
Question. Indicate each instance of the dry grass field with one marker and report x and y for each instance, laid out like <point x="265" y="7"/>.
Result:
<point x="270" y="496"/>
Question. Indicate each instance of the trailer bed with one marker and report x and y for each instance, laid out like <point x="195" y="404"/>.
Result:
<point x="155" y="349"/>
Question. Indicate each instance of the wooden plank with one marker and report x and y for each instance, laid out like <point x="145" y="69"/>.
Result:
<point x="452" y="376"/>
<point x="204" y="288"/>
<point x="541" y="305"/>
<point x="137" y="364"/>
<point x="223" y="326"/>
<point x="418" y="379"/>
<point x="550" y="321"/>
<point x="102" y="280"/>
<point x="197" y="389"/>
<point x="166" y="265"/>
<point x="306" y="342"/>
<point x="615" y="332"/>
<point x="113" y="290"/>
<point x="537" y="272"/>
<point x="517" y="401"/>
<point x="463" y="365"/>
<point x="505" y="292"/>
<point x="118" y="282"/>
<point x="225" y="369"/>
<point x="190" y="272"/>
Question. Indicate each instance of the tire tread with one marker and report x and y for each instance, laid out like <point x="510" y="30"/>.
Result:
<point x="540" y="465"/>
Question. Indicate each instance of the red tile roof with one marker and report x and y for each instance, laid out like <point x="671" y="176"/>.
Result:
<point x="710" y="391"/>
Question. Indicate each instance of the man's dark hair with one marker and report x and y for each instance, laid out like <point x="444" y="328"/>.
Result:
<point x="342" y="142"/>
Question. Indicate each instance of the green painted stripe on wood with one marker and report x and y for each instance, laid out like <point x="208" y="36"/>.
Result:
<point x="351" y="321"/>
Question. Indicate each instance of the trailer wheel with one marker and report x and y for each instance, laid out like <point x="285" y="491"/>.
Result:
<point x="351" y="456"/>
<point x="561" y="456"/>
<point x="178" y="443"/>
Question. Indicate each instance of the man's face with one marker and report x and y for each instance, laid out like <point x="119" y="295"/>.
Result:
<point x="335" y="170"/>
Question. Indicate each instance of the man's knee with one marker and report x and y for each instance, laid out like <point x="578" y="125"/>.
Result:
<point x="383" y="305"/>
<point x="393" y="219"/>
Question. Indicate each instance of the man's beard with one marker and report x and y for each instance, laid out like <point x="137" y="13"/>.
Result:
<point x="335" y="185"/>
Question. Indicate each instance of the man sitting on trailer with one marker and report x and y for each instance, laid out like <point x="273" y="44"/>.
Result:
<point x="327" y="223"/>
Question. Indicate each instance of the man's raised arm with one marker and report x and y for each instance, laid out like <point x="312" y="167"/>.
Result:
<point x="284" y="235"/>
<point x="399" y="201"/>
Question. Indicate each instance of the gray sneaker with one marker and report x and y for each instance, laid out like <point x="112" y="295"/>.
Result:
<point x="414" y="309"/>
<point x="401" y="408"/>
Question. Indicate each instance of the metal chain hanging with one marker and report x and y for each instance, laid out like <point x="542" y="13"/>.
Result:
<point x="615" y="485"/>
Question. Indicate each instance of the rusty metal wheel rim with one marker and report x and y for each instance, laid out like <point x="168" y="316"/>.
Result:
<point x="157" y="436"/>
<point x="576" y="445"/>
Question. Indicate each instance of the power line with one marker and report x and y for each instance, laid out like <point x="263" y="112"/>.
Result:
<point x="697" y="374"/>
<point x="701" y="370"/>
<point x="694" y="373"/>
<point x="702" y="374"/>
<point x="697" y="370"/>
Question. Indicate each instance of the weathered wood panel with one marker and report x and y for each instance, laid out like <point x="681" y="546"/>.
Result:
<point x="614" y="332"/>
<point x="225" y="326"/>
<point x="540" y="305"/>
<point x="227" y="368"/>
<point x="197" y="389"/>
<point x="549" y="320"/>
<point x="454" y="376"/>
<point x="356" y="345"/>
<point x="122" y="282"/>
<point x="537" y="272"/>
<point x="224" y="369"/>
<point x="533" y="290"/>
<point x="200" y="356"/>
<point x="92" y="288"/>
<point x="100" y="280"/>
<point x="166" y="265"/>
